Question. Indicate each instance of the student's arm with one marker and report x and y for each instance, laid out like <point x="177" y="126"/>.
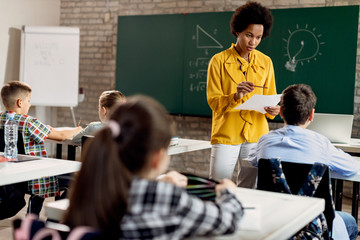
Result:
<point x="342" y="162"/>
<point x="61" y="134"/>
<point x="175" y="178"/>
<point x="208" y="218"/>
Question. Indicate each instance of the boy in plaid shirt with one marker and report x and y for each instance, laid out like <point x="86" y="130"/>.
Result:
<point x="16" y="97"/>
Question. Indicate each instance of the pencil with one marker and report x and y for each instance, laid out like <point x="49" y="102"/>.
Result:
<point x="260" y="86"/>
<point x="79" y="122"/>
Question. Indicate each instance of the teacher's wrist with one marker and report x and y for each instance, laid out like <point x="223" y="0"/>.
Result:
<point x="237" y="97"/>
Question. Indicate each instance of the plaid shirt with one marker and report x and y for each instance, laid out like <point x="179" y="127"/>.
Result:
<point x="159" y="210"/>
<point x="34" y="134"/>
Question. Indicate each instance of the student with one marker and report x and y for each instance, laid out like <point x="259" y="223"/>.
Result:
<point x="16" y="97"/>
<point x="116" y="193"/>
<point x="295" y="143"/>
<point x="234" y="76"/>
<point x="106" y="101"/>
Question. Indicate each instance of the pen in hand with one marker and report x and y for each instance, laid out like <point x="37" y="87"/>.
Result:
<point x="260" y="86"/>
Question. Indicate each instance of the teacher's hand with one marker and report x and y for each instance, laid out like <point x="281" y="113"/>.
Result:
<point x="273" y="111"/>
<point x="242" y="89"/>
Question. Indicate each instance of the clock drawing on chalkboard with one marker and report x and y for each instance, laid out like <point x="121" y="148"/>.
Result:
<point x="302" y="46"/>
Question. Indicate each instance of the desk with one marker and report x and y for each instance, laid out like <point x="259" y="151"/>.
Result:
<point x="282" y="215"/>
<point x="352" y="148"/>
<point x="188" y="145"/>
<point x="71" y="153"/>
<point x="339" y="188"/>
<point x="25" y="171"/>
<point x="185" y="145"/>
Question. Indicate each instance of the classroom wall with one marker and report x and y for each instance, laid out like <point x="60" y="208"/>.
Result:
<point x="97" y="20"/>
<point x="14" y="14"/>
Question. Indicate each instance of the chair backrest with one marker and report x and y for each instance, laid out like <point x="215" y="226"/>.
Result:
<point x="83" y="140"/>
<point x="295" y="175"/>
<point x="20" y="142"/>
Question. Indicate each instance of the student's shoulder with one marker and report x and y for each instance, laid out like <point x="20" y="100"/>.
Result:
<point x="96" y="125"/>
<point x="27" y="118"/>
<point x="165" y="189"/>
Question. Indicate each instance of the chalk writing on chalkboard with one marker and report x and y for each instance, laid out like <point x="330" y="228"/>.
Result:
<point x="302" y="45"/>
<point x="205" y="40"/>
<point x="199" y="65"/>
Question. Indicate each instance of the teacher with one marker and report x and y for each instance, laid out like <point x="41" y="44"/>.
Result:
<point x="234" y="76"/>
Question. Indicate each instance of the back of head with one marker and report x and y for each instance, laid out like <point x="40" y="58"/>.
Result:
<point x="118" y="152"/>
<point x="297" y="103"/>
<point x="110" y="98"/>
<point x="251" y="13"/>
<point x="11" y="91"/>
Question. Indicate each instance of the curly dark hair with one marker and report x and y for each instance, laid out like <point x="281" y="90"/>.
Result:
<point x="251" y="13"/>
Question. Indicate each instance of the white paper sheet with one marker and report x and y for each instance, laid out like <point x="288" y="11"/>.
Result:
<point x="258" y="102"/>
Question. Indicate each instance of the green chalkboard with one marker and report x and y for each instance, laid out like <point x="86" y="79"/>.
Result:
<point x="166" y="56"/>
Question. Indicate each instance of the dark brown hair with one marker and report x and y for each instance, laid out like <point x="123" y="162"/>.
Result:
<point x="12" y="91"/>
<point x="251" y="13"/>
<point x="110" y="98"/>
<point x="99" y="194"/>
<point x="297" y="102"/>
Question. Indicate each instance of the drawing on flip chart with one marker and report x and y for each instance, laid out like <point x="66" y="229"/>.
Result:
<point x="302" y="45"/>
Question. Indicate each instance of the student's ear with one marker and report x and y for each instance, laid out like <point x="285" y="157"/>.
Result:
<point x="155" y="159"/>
<point x="105" y="110"/>
<point x="19" y="103"/>
<point x="281" y="113"/>
<point x="311" y="117"/>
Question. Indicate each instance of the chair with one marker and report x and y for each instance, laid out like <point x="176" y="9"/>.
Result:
<point x="84" y="139"/>
<point x="295" y="175"/>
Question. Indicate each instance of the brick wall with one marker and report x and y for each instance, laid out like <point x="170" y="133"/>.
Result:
<point x="97" y="20"/>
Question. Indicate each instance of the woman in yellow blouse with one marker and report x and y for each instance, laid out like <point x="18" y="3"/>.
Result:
<point x="234" y="76"/>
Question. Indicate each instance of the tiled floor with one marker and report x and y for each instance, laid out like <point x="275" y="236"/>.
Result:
<point x="6" y="225"/>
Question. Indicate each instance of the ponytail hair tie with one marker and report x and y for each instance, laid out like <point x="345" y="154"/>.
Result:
<point x="115" y="128"/>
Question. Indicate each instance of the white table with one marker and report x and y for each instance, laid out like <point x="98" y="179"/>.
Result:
<point x="353" y="147"/>
<point x="185" y="145"/>
<point x="281" y="215"/>
<point x="25" y="171"/>
<point x="339" y="188"/>
<point x="189" y="145"/>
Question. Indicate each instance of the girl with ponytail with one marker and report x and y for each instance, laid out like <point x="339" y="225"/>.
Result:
<point x="116" y="191"/>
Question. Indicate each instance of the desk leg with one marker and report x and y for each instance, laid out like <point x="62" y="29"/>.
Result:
<point x="339" y="194"/>
<point x="355" y="201"/>
<point x="59" y="151"/>
<point x="71" y="152"/>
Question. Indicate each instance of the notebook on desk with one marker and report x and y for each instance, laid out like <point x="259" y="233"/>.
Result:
<point x="22" y="158"/>
<point x="336" y="127"/>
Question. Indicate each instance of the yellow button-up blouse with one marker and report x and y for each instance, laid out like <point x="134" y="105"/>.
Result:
<point x="230" y="126"/>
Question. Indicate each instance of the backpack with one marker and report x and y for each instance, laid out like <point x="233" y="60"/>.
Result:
<point x="11" y="201"/>
<point x="317" y="229"/>
<point x="33" y="229"/>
